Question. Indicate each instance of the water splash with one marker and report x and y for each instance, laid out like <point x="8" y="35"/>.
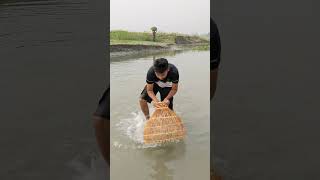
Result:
<point x="132" y="128"/>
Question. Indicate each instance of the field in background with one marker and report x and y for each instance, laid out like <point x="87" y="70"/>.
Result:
<point x="145" y="38"/>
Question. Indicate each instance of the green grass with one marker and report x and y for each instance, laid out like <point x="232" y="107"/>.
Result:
<point x="201" y="48"/>
<point x="135" y="42"/>
<point x="134" y="38"/>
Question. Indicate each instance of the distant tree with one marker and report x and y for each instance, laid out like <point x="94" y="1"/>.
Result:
<point x="154" y="31"/>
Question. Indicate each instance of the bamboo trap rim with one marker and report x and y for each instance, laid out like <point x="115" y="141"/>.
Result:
<point x="164" y="117"/>
<point x="178" y="138"/>
<point x="162" y="126"/>
<point x="174" y="132"/>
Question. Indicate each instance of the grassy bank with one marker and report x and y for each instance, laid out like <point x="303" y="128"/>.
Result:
<point x="204" y="47"/>
<point x="119" y="37"/>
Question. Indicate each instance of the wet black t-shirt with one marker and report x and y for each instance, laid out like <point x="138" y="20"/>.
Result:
<point x="172" y="77"/>
<point x="215" y="45"/>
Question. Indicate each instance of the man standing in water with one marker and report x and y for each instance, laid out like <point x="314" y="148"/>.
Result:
<point x="101" y="120"/>
<point x="214" y="64"/>
<point x="162" y="77"/>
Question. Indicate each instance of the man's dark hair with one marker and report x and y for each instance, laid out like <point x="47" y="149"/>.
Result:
<point x="160" y="65"/>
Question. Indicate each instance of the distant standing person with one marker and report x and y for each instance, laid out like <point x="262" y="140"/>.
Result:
<point x="162" y="77"/>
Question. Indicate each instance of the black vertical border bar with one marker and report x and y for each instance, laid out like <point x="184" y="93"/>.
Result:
<point x="108" y="41"/>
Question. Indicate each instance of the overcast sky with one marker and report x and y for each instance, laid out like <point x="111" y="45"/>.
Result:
<point x="184" y="16"/>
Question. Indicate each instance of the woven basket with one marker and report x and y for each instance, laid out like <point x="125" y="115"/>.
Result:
<point x="163" y="126"/>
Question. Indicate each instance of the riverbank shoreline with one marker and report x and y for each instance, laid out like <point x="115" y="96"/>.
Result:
<point x="125" y="43"/>
<point x="121" y="50"/>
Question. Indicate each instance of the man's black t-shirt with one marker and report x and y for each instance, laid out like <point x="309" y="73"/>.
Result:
<point x="172" y="77"/>
<point x="215" y="45"/>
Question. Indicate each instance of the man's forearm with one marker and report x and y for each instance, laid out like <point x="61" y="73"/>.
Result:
<point x="171" y="94"/>
<point x="152" y="96"/>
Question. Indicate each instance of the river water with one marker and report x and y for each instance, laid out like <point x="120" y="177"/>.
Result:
<point x="52" y="72"/>
<point x="186" y="160"/>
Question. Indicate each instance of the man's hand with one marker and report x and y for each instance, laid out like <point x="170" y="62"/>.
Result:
<point x="166" y="101"/>
<point x="155" y="103"/>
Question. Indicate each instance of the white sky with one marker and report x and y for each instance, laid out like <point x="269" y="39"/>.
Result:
<point x="183" y="16"/>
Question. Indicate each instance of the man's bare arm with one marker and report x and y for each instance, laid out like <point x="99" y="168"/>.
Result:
<point x="151" y="93"/>
<point x="173" y="91"/>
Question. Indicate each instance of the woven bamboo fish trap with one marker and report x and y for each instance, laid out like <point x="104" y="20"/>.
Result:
<point x="163" y="126"/>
